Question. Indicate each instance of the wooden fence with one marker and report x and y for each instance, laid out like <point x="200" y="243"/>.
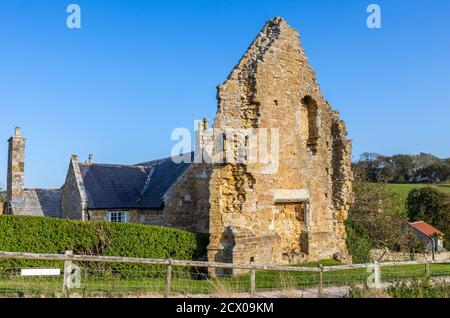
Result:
<point x="68" y="258"/>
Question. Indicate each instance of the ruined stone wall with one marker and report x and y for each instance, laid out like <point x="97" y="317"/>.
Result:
<point x="273" y="86"/>
<point x="187" y="204"/>
<point x="376" y="254"/>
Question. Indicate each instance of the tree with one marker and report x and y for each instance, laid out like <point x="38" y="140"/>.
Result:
<point x="2" y="200"/>
<point x="387" y="169"/>
<point x="2" y="196"/>
<point x="427" y="204"/>
<point x="404" y="168"/>
<point x="432" y="206"/>
<point x="379" y="210"/>
<point x="370" y="163"/>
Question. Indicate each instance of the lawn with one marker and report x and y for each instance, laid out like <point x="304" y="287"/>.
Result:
<point x="265" y="280"/>
<point x="403" y="189"/>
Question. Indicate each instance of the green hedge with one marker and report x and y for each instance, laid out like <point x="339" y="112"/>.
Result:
<point x="47" y="235"/>
<point x="359" y="243"/>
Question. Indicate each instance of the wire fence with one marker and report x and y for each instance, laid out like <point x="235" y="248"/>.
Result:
<point x="67" y="275"/>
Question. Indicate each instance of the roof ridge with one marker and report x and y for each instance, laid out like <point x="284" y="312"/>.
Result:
<point x="146" y="163"/>
<point x="110" y="165"/>
<point x="43" y="189"/>
<point x="425" y="228"/>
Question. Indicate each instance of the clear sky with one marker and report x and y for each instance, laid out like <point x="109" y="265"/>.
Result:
<point x="136" y="70"/>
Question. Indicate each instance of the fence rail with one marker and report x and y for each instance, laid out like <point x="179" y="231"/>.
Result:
<point x="169" y="277"/>
<point x="152" y="261"/>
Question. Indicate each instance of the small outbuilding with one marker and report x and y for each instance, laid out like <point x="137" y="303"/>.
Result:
<point x="429" y="235"/>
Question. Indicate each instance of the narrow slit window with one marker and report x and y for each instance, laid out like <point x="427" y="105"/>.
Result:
<point x="312" y="118"/>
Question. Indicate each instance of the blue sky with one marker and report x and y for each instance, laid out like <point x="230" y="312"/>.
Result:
<point x="138" y="69"/>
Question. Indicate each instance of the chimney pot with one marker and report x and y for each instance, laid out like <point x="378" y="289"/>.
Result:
<point x="75" y="157"/>
<point x="17" y="132"/>
<point x="91" y="159"/>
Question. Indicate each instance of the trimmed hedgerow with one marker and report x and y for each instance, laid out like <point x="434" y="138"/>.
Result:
<point x="55" y="236"/>
<point x="359" y="243"/>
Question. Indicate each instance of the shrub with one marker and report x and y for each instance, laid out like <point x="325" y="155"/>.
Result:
<point x="378" y="209"/>
<point x="359" y="243"/>
<point x="432" y="206"/>
<point x="365" y="292"/>
<point x="55" y="236"/>
<point x="421" y="288"/>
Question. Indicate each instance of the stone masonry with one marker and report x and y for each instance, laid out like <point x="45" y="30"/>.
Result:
<point x="16" y="167"/>
<point x="296" y="213"/>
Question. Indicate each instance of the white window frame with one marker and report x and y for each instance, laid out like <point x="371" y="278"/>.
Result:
<point x="114" y="215"/>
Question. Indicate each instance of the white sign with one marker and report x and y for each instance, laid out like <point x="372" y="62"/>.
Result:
<point x="40" y="272"/>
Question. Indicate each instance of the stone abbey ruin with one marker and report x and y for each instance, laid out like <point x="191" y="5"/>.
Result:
<point x="290" y="214"/>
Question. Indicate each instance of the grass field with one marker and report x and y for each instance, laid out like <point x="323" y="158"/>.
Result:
<point x="403" y="189"/>
<point x="265" y="281"/>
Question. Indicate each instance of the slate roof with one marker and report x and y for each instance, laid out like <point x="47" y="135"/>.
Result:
<point x="113" y="186"/>
<point x="165" y="173"/>
<point x="141" y="186"/>
<point x="40" y="202"/>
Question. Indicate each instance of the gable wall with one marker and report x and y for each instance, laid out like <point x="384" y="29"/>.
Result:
<point x="266" y="90"/>
<point x="187" y="204"/>
<point x="72" y="203"/>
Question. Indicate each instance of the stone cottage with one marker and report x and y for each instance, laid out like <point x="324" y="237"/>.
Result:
<point x="284" y="210"/>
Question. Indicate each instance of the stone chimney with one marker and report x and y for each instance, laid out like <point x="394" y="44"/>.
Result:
<point x="15" y="190"/>
<point x="205" y="123"/>
<point x="203" y="142"/>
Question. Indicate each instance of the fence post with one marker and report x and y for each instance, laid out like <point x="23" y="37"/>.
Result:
<point x="320" y="273"/>
<point x="377" y="272"/>
<point x="427" y="269"/>
<point x="252" y="278"/>
<point x="168" y="278"/>
<point x="67" y="281"/>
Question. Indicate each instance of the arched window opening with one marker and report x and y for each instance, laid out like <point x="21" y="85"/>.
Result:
<point x="312" y="118"/>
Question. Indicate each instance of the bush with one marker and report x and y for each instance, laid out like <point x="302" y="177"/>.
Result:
<point x="359" y="243"/>
<point x="379" y="211"/>
<point x="421" y="288"/>
<point x="432" y="206"/>
<point x="365" y="292"/>
<point x="55" y="236"/>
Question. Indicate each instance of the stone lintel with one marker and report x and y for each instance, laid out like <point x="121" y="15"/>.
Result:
<point x="290" y="195"/>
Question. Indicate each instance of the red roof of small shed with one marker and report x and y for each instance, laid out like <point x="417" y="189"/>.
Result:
<point x="425" y="228"/>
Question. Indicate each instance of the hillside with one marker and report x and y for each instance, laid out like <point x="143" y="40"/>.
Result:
<point x="402" y="189"/>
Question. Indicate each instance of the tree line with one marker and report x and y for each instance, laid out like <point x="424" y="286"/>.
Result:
<point x="421" y="168"/>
